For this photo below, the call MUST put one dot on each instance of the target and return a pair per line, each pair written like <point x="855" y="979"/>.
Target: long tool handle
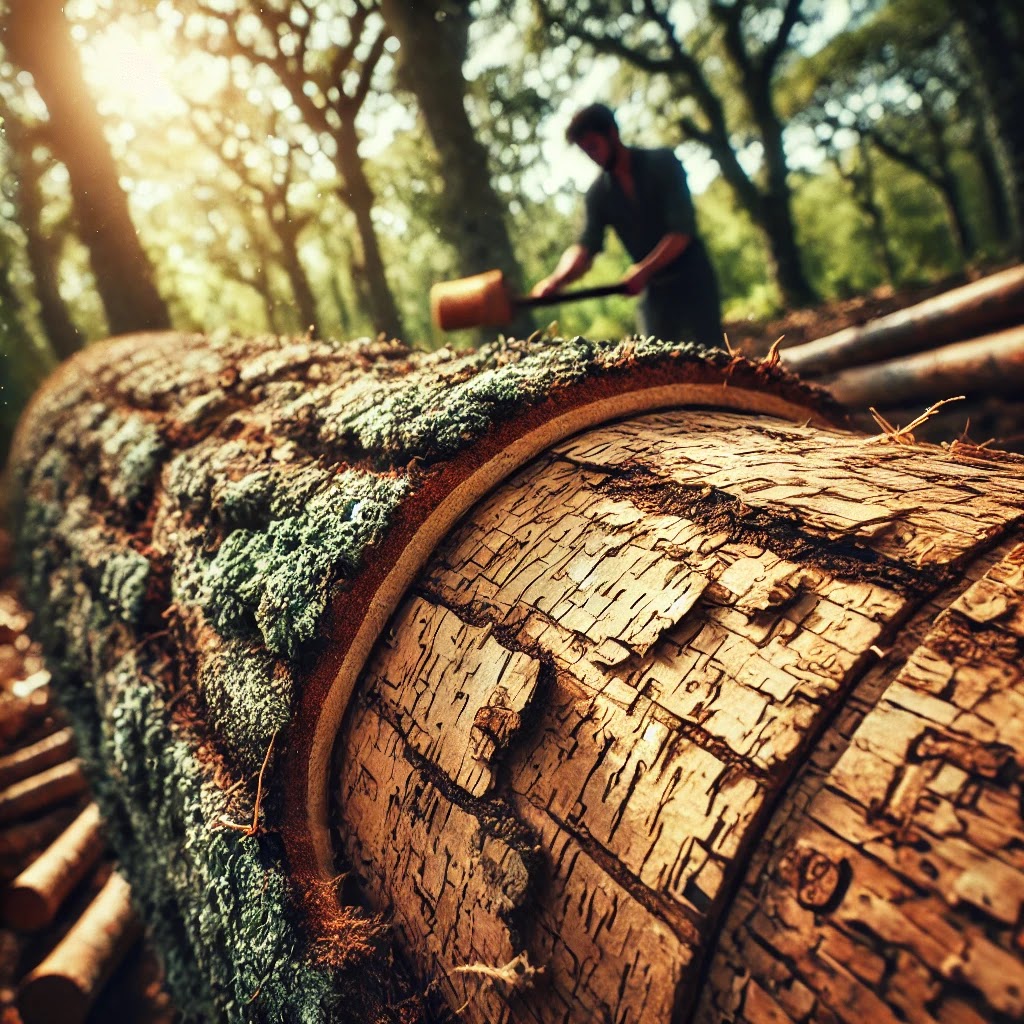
<point x="597" y="292"/>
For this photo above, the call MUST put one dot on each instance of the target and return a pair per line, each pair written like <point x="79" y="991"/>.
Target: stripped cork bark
<point x="587" y="720"/>
<point x="573" y="735"/>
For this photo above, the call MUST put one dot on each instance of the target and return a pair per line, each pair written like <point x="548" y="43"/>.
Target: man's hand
<point x="635" y="279"/>
<point x="548" y="286"/>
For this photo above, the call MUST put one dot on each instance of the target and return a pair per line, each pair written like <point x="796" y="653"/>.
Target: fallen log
<point x="68" y="981"/>
<point x="559" y="650"/>
<point x="988" y="366"/>
<point x="993" y="302"/>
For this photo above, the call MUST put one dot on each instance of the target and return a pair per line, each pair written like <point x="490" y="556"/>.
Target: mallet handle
<point x="597" y="292"/>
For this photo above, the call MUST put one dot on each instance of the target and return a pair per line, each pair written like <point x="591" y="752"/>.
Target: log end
<point x="45" y="998"/>
<point x="26" y="909"/>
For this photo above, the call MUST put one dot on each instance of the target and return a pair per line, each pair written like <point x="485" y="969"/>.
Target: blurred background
<point x="291" y="165"/>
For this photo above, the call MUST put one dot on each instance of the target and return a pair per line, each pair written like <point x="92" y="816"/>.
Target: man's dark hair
<point x="596" y="118"/>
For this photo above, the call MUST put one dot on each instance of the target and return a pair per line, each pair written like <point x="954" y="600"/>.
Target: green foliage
<point x="739" y="254"/>
<point x="835" y="238"/>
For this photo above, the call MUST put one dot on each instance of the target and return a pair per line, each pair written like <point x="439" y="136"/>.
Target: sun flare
<point x="130" y="73"/>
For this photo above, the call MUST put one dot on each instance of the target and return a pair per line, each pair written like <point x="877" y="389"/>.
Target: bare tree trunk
<point x="39" y="40"/>
<point x="434" y="40"/>
<point x="42" y="252"/>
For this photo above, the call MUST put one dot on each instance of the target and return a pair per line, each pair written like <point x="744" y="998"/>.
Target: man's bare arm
<point x="574" y="263"/>
<point x="639" y="275"/>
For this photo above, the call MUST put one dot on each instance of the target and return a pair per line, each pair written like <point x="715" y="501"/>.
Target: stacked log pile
<point x="965" y="342"/>
<point x="617" y="679"/>
<point x="67" y="926"/>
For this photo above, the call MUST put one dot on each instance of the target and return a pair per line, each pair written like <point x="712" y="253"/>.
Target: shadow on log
<point x="626" y="683"/>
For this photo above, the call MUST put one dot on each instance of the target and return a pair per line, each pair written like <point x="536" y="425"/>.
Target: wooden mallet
<point x="485" y="300"/>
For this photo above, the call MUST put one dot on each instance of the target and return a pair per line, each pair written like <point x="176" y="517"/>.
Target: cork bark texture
<point x="212" y="531"/>
<point x="707" y="716"/>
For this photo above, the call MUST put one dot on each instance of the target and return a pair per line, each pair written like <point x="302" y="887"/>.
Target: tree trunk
<point x="542" y="645"/>
<point x="866" y="196"/>
<point x="986" y="151"/>
<point x="778" y="204"/>
<point x="305" y="300"/>
<point x="945" y="181"/>
<point x="39" y="40"/>
<point x="995" y="33"/>
<point x="358" y="196"/>
<point x="43" y="254"/>
<point x="434" y="40"/>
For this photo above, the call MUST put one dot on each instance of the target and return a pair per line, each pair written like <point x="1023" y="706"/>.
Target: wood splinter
<point x="67" y="982"/>
<point x="34" y="897"/>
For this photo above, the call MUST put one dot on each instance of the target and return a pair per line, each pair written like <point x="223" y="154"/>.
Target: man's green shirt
<point x="662" y="205"/>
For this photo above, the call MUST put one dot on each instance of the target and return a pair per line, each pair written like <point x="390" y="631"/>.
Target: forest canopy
<point x="292" y="165"/>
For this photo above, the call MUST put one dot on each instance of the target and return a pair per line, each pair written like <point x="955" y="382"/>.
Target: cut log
<point x="45" y="753"/>
<point x="43" y="790"/>
<point x="67" y="982"/>
<point x="967" y="312"/>
<point x="534" y="644"/>
<point x="32" y="900"/>
<point x="993" y="365"/>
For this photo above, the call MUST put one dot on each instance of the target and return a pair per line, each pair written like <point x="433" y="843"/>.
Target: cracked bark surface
<point x="706" y="716"/>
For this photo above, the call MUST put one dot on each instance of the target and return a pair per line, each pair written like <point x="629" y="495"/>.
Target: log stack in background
<point x="968" y="342"/>
<point x="623" y="683"/>
<point x="67" y="926"/>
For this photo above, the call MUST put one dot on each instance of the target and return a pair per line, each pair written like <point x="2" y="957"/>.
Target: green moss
<point x="275" y="581"/>
<point x="135" y="450"/>
<point x="123" y="581"/>
<point x="206" y="892"/>
<point x="249" y="695"/>
<point x="439" y="413"/>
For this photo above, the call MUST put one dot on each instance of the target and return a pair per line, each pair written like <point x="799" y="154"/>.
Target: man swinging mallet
<point x="643" y="195"/>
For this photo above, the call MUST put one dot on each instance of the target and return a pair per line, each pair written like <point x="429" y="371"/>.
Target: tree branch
<point x="791" y="16"/>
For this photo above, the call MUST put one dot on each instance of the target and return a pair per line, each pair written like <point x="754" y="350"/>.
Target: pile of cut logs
<point x="967" y="342"/>
<point x="66" y="920"/>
